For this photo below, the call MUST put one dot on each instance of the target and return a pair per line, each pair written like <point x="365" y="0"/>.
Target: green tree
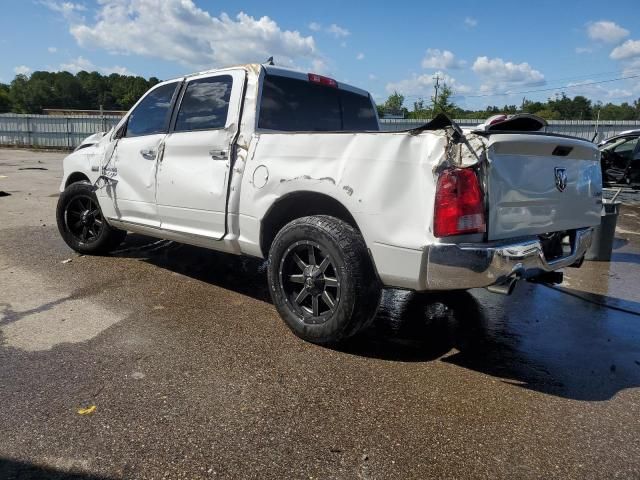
<point x="393" y="105"/>
<point x="623" y="111"/>
<point x="547" y="114"/>
<point x="5" y="99"/>
<point x="443" y="103"/>
<point x="85" y="90"/>
<point x="420" y="110"/>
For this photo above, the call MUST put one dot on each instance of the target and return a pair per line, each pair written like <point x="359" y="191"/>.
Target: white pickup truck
<point x="265" y="161"/>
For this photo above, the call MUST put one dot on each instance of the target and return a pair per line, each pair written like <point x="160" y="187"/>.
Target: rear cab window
<point x="299" y="105"/>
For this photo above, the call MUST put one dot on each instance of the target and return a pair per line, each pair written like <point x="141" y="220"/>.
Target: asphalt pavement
<point x="169" y="361"/>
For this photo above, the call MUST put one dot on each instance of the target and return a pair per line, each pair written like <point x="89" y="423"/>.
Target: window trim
<point x="167" y="120"/>
<point x="178" y="104"/>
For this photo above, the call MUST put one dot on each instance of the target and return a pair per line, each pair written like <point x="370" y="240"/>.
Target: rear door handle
<point x="148" y="153"/>
<point x="218" y="154"/>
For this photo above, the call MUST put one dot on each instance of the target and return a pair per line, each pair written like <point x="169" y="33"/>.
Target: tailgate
<point x="540" y="183"/>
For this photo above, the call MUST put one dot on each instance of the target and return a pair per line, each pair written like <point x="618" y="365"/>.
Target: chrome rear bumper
<point x="461" y="266"/>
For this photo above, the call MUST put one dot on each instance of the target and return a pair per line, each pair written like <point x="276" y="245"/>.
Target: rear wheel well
<point x="298" y="205"/>
<point x="76" y="177"/>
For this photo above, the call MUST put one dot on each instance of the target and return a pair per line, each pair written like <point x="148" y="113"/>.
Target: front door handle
<point x="148" y="153"/>
<point x="218" y="154"/>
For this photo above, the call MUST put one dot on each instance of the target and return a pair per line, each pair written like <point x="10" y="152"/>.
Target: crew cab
<point x="269" y="162"/>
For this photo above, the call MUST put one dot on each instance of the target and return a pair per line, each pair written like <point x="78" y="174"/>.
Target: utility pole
<point x="524" y="100"/>
<point x="436" y="86"/>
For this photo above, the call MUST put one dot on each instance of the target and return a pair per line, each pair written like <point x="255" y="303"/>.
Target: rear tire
<point x="81" y="223"/>
<point x="321" y="279"/>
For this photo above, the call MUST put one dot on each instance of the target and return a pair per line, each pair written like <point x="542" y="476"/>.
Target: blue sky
<point x="482" y="49"/>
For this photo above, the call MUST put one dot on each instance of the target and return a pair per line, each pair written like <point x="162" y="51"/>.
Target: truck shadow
<point x="19" y="470"/>
<point x="625" y="257"/>
<point x="538" y="339"/>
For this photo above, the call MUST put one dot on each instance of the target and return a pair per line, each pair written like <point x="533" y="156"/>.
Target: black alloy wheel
<point x="83" y="219"/>
<point x="81" y="222"/>
<point x="310" y="281"/>
<point x="322" y="280"/>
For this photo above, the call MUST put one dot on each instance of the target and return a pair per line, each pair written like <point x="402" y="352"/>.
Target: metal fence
<point x="47" y="131"/>
<point x="51" y="131"/>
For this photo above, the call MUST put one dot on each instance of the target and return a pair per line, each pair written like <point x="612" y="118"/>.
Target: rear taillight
<point x="459" y="204"/>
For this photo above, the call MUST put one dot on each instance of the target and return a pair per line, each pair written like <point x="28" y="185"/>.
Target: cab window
<point x="205" y="104"/>
<point x="151" y="115"/>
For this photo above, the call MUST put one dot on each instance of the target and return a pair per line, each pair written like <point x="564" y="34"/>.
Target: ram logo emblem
<point x="561" y="178"/>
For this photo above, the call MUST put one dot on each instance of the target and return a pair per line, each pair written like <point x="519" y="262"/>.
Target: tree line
<point x="560" y="107"/>
<point x="92" y="90"/>
<point x="82" y="91"/>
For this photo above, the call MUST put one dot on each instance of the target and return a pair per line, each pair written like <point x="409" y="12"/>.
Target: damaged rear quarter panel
<point x="384" y="179"/>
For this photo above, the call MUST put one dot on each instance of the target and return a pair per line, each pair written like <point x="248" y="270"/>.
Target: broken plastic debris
<point x="87" y="411"/>
<point x="68" y="260"/>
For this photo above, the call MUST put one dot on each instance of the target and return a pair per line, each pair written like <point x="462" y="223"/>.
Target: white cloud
<point x="442" y="60"/>
<point x="631" y="67"/>
<point x="606" y="31"/>
<point x="360" y="56"/>
<point x="581" y="50"/>
<point x="619" y="93"/>
<point x="52" y="49"/>
<point x="22" y="70"/>
<point x="422" y="85"/>
<point x="78" y="64"/>
<point x="319" y="65"/>
<point x="498" y="74"/>
<point x="372" y="77"/>
<point x="629" y="49"/>
<point x="596" y="91"/>
<point x="338" y="31"/>
<point x="470" y="22"/>
<point x="69" y="10"/>
<point x="177" y="30"/>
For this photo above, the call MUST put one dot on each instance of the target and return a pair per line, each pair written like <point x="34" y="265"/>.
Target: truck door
<point x="132" y="197"/>
<point x="193" y="173"/>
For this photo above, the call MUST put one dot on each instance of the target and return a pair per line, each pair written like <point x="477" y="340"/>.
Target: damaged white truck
<point x="264" y="161"/>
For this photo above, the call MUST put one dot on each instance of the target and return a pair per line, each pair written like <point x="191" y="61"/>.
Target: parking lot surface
<point x="193" y="375"/>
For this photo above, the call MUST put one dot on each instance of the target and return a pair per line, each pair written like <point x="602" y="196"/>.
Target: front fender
<point x="87" y="158"/>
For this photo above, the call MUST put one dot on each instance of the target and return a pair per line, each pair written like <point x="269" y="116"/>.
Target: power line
<point x="547" y="89"/>
<point x="586" y="84"/>
<point x="588" y="76"/>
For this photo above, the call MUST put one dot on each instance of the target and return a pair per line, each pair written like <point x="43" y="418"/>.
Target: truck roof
<point x="272" y="70"/>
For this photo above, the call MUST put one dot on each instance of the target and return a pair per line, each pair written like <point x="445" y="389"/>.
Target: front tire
<point x="322" y="280"/>
<point x="81" y="223"/>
